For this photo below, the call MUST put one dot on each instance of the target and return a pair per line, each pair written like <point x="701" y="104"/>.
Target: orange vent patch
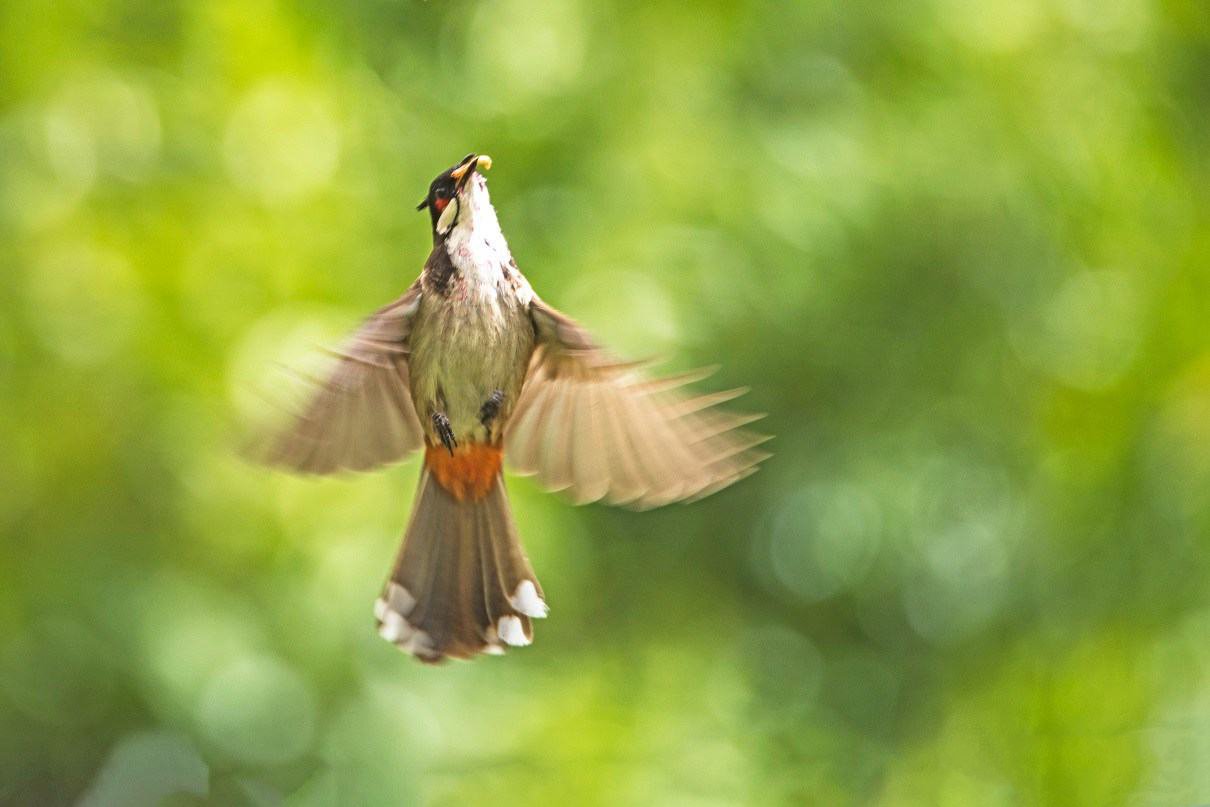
<point x="469" y="472"/>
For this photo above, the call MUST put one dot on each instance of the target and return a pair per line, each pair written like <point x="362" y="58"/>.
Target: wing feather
<point x="598" y="428"/>
<point x="554" y="459"/>
<point x="590" y="467"/>
<point x="360" y="416"/>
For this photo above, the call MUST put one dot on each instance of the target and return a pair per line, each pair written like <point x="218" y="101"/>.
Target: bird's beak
<point x="468" y="166"/>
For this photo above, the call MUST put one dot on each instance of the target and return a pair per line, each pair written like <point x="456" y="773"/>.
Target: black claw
<point x="446" y="432"/>
<point x="491" y="407"/>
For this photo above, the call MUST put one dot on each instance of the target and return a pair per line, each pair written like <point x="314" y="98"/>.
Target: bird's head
<point x="457" y="193"/>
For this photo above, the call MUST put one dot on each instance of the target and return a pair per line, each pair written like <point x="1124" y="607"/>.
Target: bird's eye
<point x="442" y="193"/>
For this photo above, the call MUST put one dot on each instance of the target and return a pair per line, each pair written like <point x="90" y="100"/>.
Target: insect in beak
<point x="469" y="165"/>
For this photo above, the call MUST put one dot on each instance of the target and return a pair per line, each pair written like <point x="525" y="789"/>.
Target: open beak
<point x="468" y="166"/>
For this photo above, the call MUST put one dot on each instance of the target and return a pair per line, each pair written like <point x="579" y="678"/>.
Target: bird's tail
<point x="462" y="584"/>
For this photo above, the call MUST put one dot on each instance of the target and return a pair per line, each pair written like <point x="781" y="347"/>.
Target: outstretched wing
<point x="598" y="429"/>
<point x="361" y="415"/>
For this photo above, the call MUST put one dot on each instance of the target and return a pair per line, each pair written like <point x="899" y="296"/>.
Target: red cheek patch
<point x="440" y="204"/>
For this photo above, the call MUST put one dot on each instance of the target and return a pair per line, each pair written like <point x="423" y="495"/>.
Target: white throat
<point x="475" y="243"/>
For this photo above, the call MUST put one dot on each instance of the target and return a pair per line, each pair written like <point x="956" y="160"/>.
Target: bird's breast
<point x="468" y="343"/>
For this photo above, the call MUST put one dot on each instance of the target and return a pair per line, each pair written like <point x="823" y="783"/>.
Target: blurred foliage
<point x="958" y="250"/>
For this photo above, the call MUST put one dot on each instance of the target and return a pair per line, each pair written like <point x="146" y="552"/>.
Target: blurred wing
<point x="599" y="429"/>
<point x="361" y="416"/>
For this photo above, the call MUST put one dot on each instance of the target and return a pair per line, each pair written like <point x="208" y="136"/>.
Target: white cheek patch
<point x="448" y="217"/>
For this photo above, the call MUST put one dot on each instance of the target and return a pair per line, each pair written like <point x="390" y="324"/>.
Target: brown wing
<point x="361" y="416"/>
<point x="599" y="429"/>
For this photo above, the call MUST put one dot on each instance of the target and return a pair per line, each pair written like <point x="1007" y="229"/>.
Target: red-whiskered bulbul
<point x="469" y="364"/>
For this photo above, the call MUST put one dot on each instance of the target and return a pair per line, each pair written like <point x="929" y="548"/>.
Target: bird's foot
<point x="446" y="432"/>
<point x="491" y="408"/>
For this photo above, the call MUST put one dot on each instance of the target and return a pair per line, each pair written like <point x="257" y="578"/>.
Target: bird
<point x="471" y="366"/>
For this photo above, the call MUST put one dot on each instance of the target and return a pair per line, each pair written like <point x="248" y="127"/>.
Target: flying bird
<point x="470" y="365"/>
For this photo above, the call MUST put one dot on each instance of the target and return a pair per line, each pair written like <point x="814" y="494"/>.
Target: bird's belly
<point x="463" y="352"/>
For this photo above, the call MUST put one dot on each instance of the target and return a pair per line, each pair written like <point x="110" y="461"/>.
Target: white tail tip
<point x="526" y="600"/>
<point x="511" y="631"/>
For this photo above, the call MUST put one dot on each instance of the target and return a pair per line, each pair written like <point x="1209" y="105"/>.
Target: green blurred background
<point x="957" y="249"/>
